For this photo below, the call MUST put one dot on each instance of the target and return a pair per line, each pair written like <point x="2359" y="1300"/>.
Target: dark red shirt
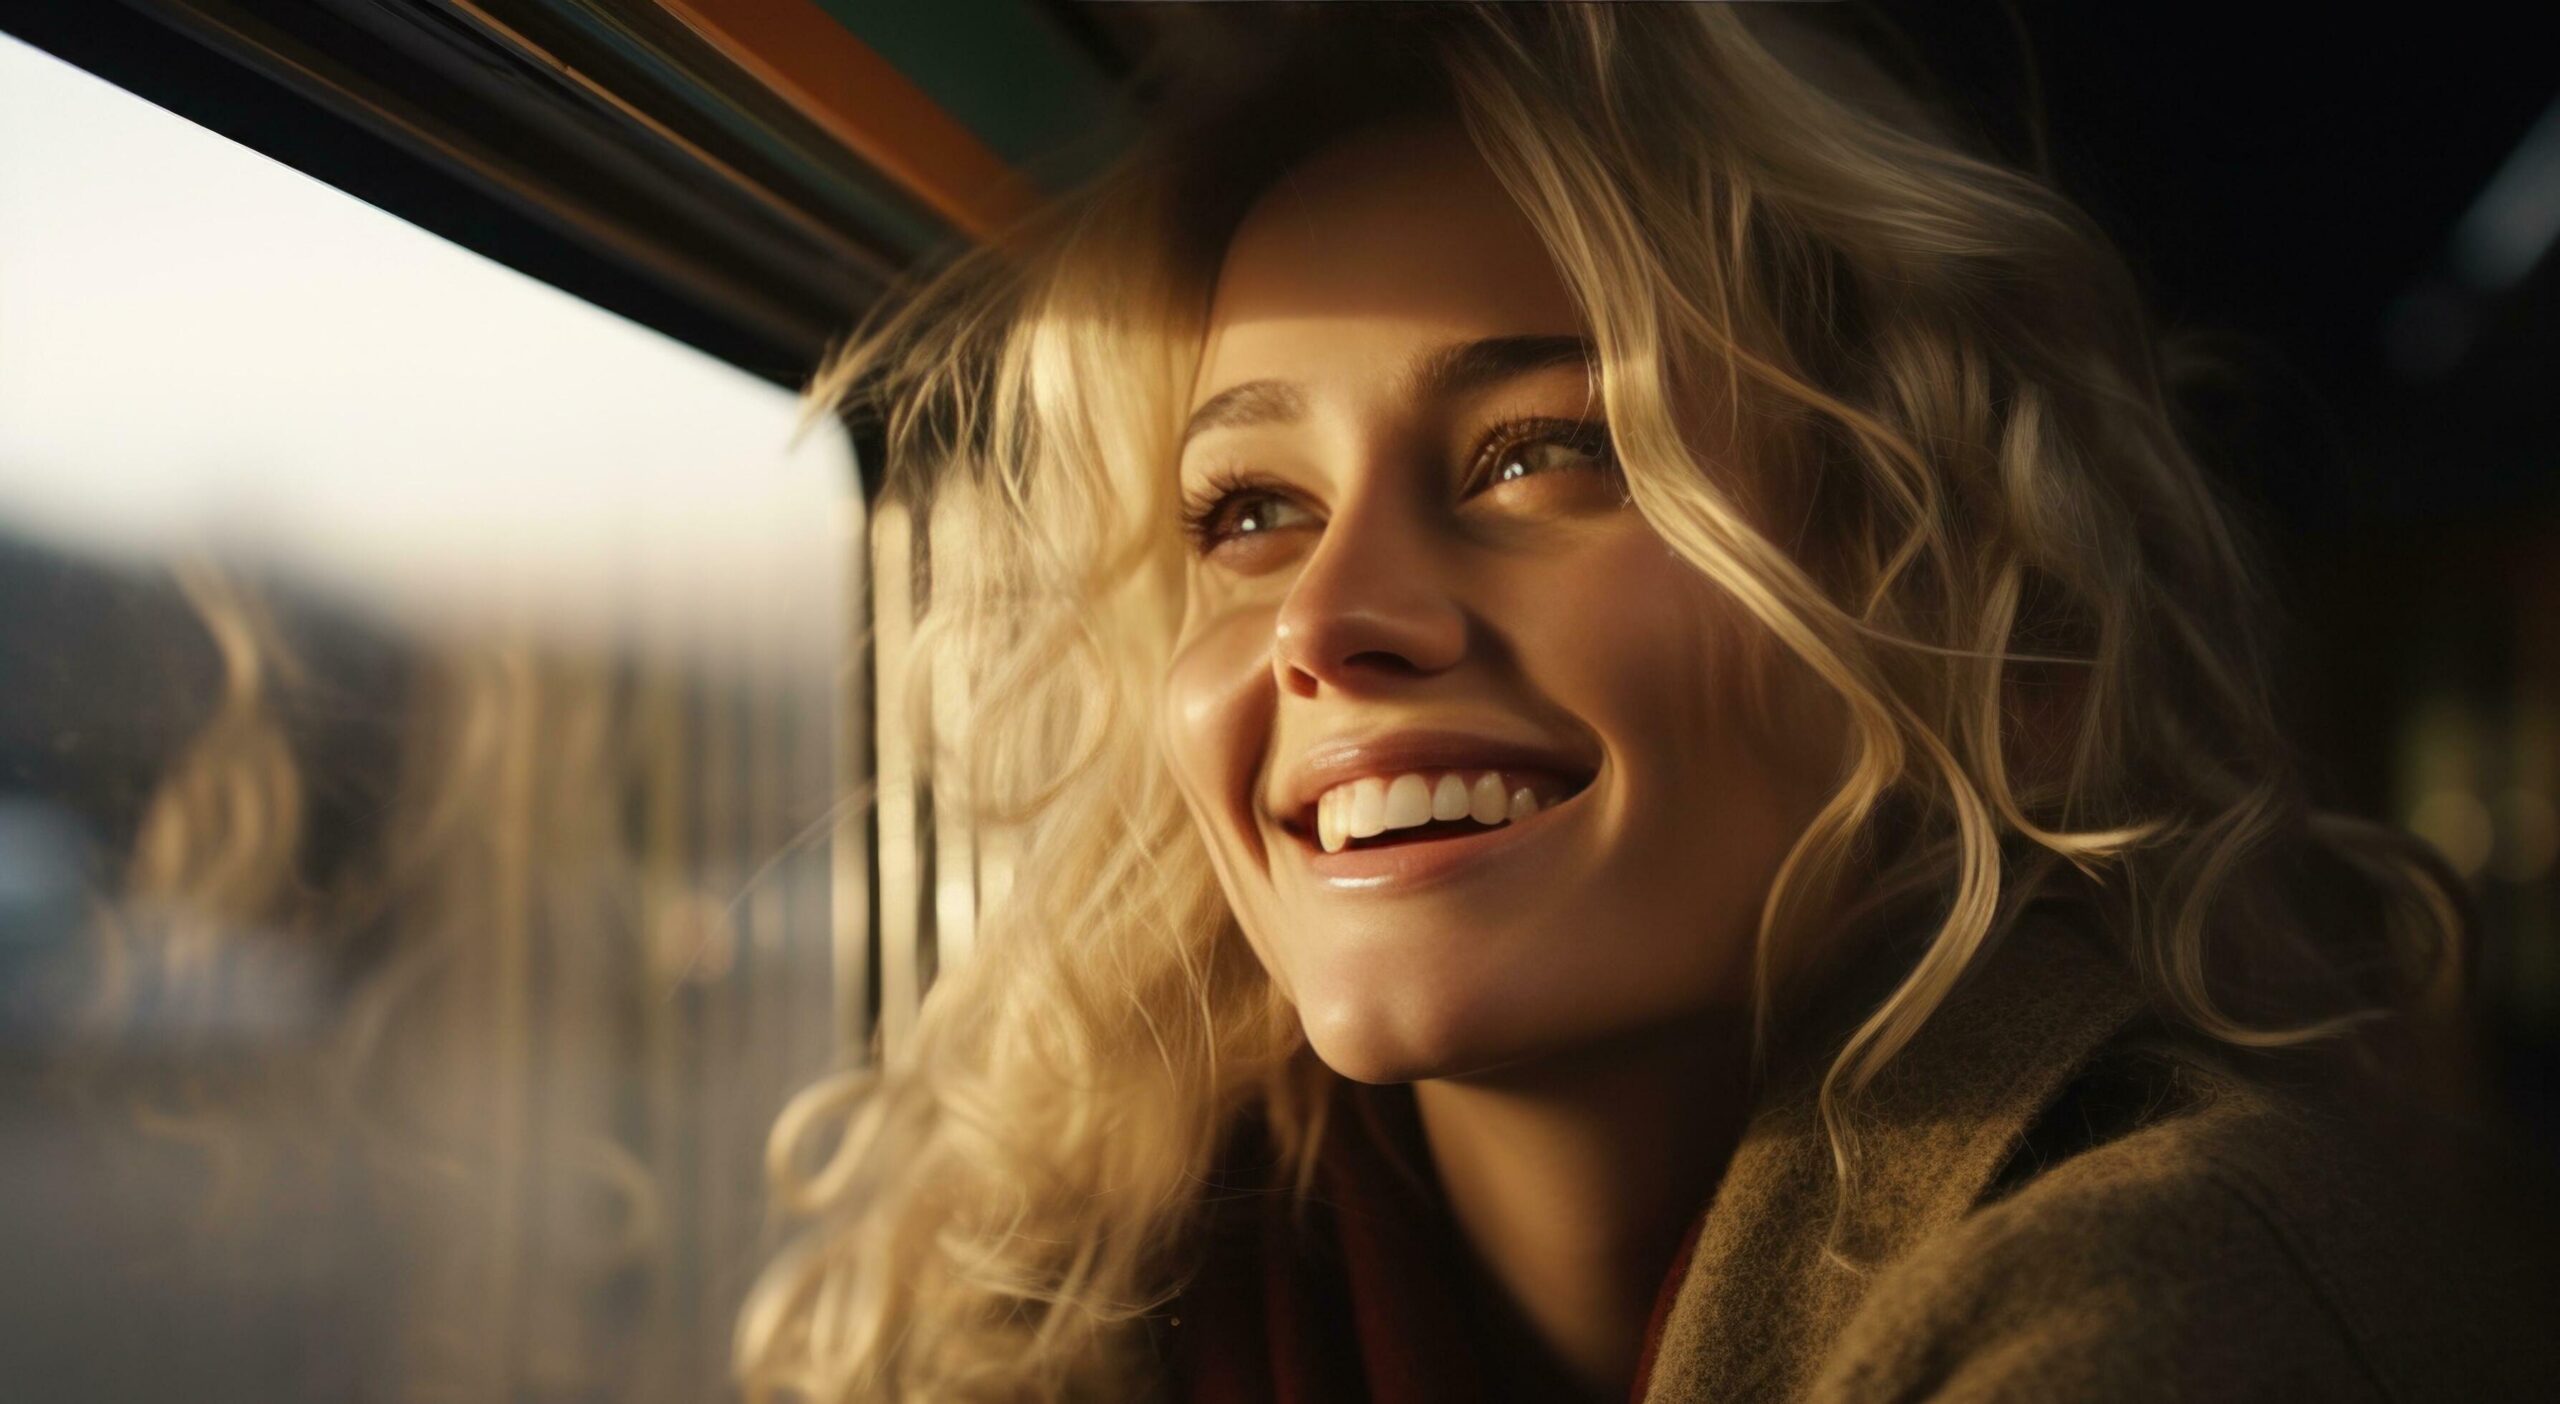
<point x="1359" y="1295"/>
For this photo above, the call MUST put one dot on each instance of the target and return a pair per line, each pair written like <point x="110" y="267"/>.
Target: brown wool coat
<point x="2061" y="1202"/>
<point x="2065" y="1203"/>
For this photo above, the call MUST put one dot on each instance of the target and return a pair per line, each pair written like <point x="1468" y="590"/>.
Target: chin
<point x="1370" y="1038"/>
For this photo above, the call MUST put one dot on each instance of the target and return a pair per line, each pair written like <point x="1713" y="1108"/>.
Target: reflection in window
<point x="419" y="754"/>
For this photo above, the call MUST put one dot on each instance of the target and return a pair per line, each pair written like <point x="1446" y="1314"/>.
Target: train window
<point x="469" y="723"/>
<point x="417" y="757"/>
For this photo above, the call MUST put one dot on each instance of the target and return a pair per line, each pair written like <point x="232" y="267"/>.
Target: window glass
<point x="417" y="759"/>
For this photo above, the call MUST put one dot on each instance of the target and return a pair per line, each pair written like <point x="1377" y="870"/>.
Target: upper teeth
<point x="1373" y="804"/>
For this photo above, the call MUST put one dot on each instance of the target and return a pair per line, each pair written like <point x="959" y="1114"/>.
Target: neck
<point x="1574" y="1180"/>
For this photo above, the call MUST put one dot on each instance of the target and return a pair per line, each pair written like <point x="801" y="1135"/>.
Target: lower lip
<point x="1404" y="866"/>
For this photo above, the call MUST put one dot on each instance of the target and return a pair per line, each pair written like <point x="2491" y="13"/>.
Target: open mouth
<point x="1426" y="807"/>
<point x="1436" y="829"/>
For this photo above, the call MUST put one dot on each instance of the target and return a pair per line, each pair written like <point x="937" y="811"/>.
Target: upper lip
<point x="1389" y="753"/>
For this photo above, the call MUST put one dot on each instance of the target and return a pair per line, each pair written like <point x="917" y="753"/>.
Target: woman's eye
<point x="1257" y="515"/>
<point x="1536" y="458"/>
<point x="1241" y="516"/>
<point x="1579" y="447"/>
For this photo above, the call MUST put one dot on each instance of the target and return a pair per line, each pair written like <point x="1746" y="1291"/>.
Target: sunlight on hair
<point x="2010" y="570"/>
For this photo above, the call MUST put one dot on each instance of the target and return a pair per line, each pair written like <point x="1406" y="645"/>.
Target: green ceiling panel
<point x="1006" y="70"/>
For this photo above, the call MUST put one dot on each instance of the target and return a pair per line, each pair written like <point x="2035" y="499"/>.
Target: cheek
<point x="1670" y="671"/>
<point x="1682" y="671"/>
<point x="1217" y="705"/>
<point x="1638" y="643"/>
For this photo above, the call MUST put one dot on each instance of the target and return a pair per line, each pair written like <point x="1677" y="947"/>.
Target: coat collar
<point x="1354" y="1304"/>
<point x="1759" y="1298"/>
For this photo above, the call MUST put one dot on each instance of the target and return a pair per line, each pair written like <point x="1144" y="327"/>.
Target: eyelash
<point x="1206" y="505"/>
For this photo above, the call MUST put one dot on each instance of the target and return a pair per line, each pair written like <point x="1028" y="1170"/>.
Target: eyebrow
<point x="1441" y="373"/>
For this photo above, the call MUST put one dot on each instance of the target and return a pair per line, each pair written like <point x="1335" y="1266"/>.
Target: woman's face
<point x="1474" y="753"/>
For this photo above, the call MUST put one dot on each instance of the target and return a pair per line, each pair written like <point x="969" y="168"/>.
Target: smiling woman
<point x="1644" y="772"/>
<point x="1459" y="605"/>
<point x="1424" y="582"/>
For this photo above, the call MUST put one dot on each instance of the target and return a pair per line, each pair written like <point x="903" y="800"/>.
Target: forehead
<point x="1388" y="240"/>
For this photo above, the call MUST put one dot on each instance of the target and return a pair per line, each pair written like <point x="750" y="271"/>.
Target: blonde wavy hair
<point x="2001" y="557"/>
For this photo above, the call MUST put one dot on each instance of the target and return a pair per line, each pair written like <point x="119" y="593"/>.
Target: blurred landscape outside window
<point x="421" y="737"/>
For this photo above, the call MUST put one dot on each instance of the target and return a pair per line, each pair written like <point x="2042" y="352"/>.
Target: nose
<point x="1369" y="607"/>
